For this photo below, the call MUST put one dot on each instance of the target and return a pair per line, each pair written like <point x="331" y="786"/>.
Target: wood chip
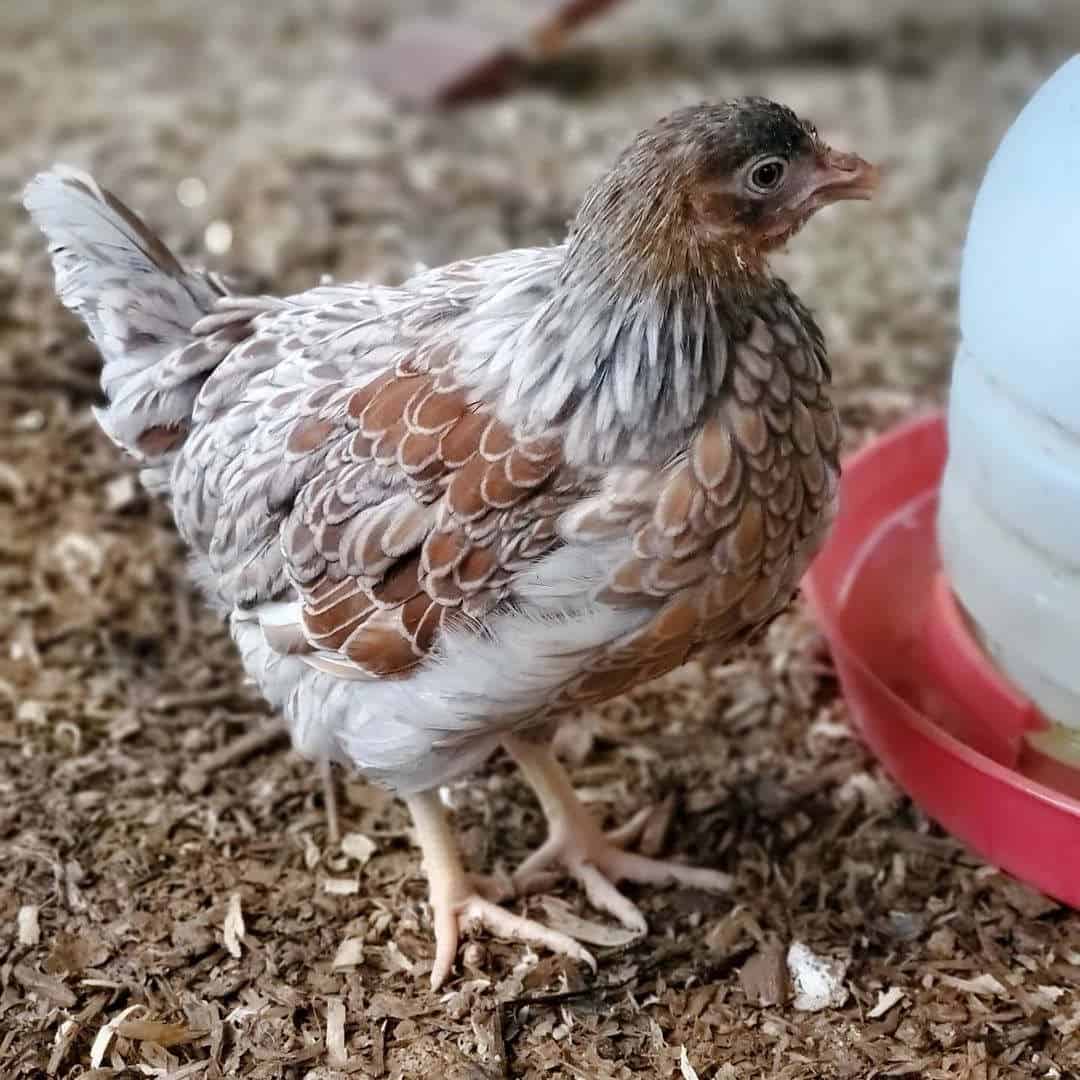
<point x="120" y="492"/>
<point x="26" y="921"/>
<point x="66" y="1034"/>
<point x="984" y="985"/>
<point x="560" y="916"/>
<point x="105" y="1034"/>
<point x="654" y="834"/>
<point x="234" y="926"/>
<point x="397" y="960"/>
<point x="341" y="886"/>
<point x="155" y="1032"/>
<point x="378" y="1049"/>
<point x="44" y="985"/>
<point x="764" y="977"/>
<point x="385" y="1004"/>
<point x="1051" y="994"/>
<point x="886" y="1000"/>
<point x="573" y="742"/>
<point x="195" y="778"/>
<point x="358" y="847"/>
<point x="350" y="954"/>
<point x="335" y="1032"/>
<point x="688" y="1071"/>
<point x="74" y="953"/>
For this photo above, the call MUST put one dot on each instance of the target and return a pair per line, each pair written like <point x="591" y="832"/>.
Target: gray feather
<point x="137" y="301"/>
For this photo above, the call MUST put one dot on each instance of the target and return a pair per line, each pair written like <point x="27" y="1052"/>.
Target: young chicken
<point x="439" y="516"/>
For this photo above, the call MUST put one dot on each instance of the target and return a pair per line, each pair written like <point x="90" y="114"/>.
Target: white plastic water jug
<point x="1009" y="517"/>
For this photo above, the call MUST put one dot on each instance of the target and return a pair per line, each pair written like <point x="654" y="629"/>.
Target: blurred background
<point x="249" y="134"/>
<point x="283" y="141"/>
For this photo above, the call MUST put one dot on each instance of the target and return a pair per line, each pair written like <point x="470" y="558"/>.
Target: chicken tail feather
<point x="138" y="302"/>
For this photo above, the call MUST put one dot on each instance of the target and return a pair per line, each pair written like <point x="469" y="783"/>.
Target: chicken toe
<point x="596" y="860"/>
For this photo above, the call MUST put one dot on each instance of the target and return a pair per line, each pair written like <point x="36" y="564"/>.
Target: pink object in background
<point x="446" y="60"/>
<point x="946" y="726"/>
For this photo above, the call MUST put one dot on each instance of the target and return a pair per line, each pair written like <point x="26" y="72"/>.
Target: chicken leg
<point x="594" y="859"/>
<point x="456" y="902"/>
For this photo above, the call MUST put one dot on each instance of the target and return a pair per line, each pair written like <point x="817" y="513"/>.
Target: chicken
<point x="440" y="516"/>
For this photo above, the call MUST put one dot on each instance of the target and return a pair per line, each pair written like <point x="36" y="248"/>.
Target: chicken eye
<point x="766" y="176"/>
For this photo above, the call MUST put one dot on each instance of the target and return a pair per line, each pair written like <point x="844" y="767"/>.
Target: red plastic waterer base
<point x="948" y="728"/>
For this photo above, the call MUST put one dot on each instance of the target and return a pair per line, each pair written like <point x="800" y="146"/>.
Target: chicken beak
<point x="844" y="176"/>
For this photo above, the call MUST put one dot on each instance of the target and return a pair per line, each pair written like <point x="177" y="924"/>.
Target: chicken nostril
<point x="843" y="162"/>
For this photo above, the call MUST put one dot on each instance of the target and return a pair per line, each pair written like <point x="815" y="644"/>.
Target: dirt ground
<point x="169" y="911"/>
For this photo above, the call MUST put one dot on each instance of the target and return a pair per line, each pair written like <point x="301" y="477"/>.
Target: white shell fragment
<point x="819" y="983"/>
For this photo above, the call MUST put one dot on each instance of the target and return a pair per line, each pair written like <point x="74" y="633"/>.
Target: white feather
<point x="444" y="720"/>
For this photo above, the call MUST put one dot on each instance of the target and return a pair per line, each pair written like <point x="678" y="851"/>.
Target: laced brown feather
<point x="379" y="587"/>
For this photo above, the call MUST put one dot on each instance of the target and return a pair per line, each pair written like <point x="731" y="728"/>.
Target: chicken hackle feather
<point x="440" y="515"/>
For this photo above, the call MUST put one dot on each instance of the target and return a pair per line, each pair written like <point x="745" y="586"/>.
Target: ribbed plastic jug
<point x="1009" y="518"/>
